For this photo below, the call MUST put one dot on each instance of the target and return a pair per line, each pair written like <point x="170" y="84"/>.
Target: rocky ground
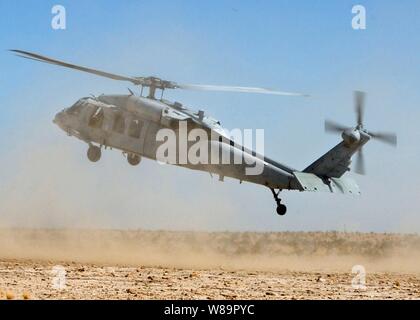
<point x="35" y="280"/>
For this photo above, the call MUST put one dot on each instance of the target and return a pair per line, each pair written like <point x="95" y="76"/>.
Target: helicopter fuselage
<point x="134" y="125"/>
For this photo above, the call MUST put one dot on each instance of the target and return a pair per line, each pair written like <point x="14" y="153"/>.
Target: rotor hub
<point x="351" y="136"/>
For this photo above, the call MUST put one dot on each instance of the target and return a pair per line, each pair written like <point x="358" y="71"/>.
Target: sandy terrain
<point x="187" y="265"/>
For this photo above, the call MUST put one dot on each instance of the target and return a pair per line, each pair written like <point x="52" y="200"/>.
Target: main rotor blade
<point x="387" y="137"/>
<point x="204" y="87"/>
<point x="360" y="163"/>
<point x="359" y="100"/>
<point x="150" y="81"/>
<point x="331" y="126"/>
<point x="37" y="57"/>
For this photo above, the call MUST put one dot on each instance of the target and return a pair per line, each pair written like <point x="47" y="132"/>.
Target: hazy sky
<point x="306" y="46"/>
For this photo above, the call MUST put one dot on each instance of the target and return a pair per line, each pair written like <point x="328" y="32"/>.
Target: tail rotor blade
<point x="359" y="99"/>
<point x="387" y="137"/>
<point x="331" y="126"/>
<point x="360" y="163"/>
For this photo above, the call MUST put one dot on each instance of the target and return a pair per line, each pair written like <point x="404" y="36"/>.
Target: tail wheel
<point x="133" y="159"/>
<point x="94" y="153"/>
<point x="281" y="209"/>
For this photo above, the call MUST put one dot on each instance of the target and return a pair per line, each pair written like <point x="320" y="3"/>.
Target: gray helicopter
<point x="132" y="124"/>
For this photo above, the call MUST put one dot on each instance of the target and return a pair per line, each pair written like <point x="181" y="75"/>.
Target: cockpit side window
<point x="97" y="118"/>
<point x="119" y="122"/>
<point x="135" y="128"/>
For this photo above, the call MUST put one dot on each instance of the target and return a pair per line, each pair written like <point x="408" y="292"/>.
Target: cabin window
<point x="135" y="129"/>
<point x="119" y="123"/>
<point x="97" y="118"/>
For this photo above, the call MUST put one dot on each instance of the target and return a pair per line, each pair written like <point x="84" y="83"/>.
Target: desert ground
<point x="113" y="264"/>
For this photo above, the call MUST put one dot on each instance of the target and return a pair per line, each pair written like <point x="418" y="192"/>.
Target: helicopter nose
<point x="58" y="119"/>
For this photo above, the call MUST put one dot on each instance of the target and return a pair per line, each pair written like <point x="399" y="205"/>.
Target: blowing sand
<point x="116" y="264"/>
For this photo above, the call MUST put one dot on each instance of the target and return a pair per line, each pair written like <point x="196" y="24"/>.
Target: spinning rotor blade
<point x="205" y="87"/>
<point x="150" y="81"/>
<point x="360" y="163"/>
<point x="359" y="99"/>
<point x="331" y="126"/>
<point x="37" y="57"/>
<point x="387" y="137"/>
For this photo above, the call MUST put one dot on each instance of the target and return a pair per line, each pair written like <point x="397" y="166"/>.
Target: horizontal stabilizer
<point x="312" y="182"/>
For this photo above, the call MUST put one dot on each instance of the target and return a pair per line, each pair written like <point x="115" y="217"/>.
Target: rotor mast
<point x="152" y="91"/>
<point x="154" y="83"/>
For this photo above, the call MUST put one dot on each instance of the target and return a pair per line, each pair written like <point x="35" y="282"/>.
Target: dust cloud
<point x="296" y="251"/>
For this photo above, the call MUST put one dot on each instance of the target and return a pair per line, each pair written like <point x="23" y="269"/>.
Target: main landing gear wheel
<point x="94" y="153"/>
<point x="281" y="208"/>
<point x="133" y="159"/>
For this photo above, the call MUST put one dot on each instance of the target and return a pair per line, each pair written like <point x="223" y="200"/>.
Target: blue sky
<point x="306" y="46"/>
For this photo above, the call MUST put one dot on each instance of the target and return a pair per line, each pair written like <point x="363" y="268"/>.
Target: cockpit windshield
<point x="75" y="109"/>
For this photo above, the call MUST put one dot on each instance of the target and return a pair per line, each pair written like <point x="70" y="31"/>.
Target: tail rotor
<point x="352" y="135"/>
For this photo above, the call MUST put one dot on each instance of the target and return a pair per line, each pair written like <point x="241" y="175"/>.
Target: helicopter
<point x="133" y="123"/>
